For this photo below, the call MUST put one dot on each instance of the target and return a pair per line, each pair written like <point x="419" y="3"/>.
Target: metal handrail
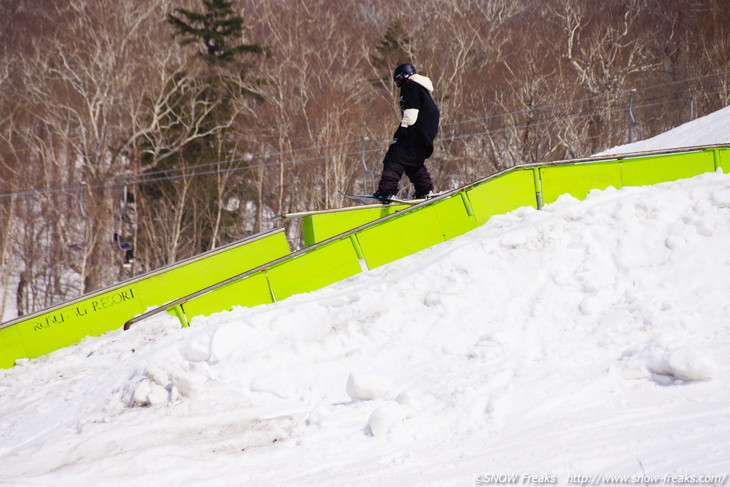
<point x="179" y="301"/>
<point x="449" y="194"/>
<point x="142" y="277"/>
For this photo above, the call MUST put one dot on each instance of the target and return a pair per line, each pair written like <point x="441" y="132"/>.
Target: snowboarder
<point x="413" y="141"/>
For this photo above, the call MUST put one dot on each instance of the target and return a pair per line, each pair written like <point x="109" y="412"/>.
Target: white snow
<point x="709" y="130"/>
<point x="590" y="338"/>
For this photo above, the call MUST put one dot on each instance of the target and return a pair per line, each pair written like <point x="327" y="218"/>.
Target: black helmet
<point x="403" y="72"/>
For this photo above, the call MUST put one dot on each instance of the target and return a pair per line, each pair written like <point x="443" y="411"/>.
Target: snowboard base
<point x="369" y="199"/>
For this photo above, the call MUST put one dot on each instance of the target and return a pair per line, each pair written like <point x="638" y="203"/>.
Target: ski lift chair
<point x="118" y="241"/>
<point x="86" y="241"/>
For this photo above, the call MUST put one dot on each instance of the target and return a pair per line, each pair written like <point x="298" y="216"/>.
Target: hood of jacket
<point x="423" y="81"/>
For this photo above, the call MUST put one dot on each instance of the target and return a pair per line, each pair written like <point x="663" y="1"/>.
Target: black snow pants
<point x="406" y="154"/>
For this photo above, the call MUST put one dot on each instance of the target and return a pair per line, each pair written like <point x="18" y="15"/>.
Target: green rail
<point x="96" y="313"/>
<point x="340" y="244"/>
<point x="542" y="183"/>
<point x="344" y="243"/>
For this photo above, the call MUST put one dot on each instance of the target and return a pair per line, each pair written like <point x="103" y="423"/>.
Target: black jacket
<point x="415" y="94"/>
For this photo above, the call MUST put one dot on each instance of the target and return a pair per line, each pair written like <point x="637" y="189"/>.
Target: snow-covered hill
<point x="587" y="339"/>
<point x="709" y="130"/>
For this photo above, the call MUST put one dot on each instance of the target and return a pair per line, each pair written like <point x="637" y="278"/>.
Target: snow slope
<point x="586" y="339"/>
<point x="709" y="130"/>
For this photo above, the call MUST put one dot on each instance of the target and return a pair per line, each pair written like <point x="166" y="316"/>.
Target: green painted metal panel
<point x="11" y="347"/>
<point x="250" y="291"/>
<point x="108" y="309"/>
<point x="185" y="280"/>
<point x="658" y="169"/>
<point x="503" y="194"/>
<point x="723" y="159"/>
<point x="321" y="226"/>
<point x="578" y="179"/>
<point x="314" y="269"/>
<point x="400" y="236"/>
<point x="309" y="235"/>
<point x="69" y="324"/>
<point x="378" y="244"/>
<point x="453" y="217"/>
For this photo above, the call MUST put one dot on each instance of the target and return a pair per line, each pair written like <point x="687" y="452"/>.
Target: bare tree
<point x="102" y="94"/>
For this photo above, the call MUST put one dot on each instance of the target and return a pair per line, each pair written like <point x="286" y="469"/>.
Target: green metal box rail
<point x="332" y="260"/>
<point x="373" y="238"/>
<point x="369" y="239"/>
<point x="42" y="332"/>
<point x="527" y="185"/>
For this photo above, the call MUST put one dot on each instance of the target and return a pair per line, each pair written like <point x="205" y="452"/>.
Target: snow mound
<point x="668" y="359"/>
<point x="709" y="130"/>
<point x="388" y="419"/>
<point x="362" y="387"/>
<point x="589" y="338"/>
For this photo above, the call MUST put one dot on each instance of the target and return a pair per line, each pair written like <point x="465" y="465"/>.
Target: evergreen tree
<point x="394" y="49"/>
<point x="203" y="102"/>
<point x="215" y="28"/>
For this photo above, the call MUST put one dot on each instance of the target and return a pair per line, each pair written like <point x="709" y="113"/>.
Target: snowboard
<point x="367" y="199"/>
<point x="370" y="199"/>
